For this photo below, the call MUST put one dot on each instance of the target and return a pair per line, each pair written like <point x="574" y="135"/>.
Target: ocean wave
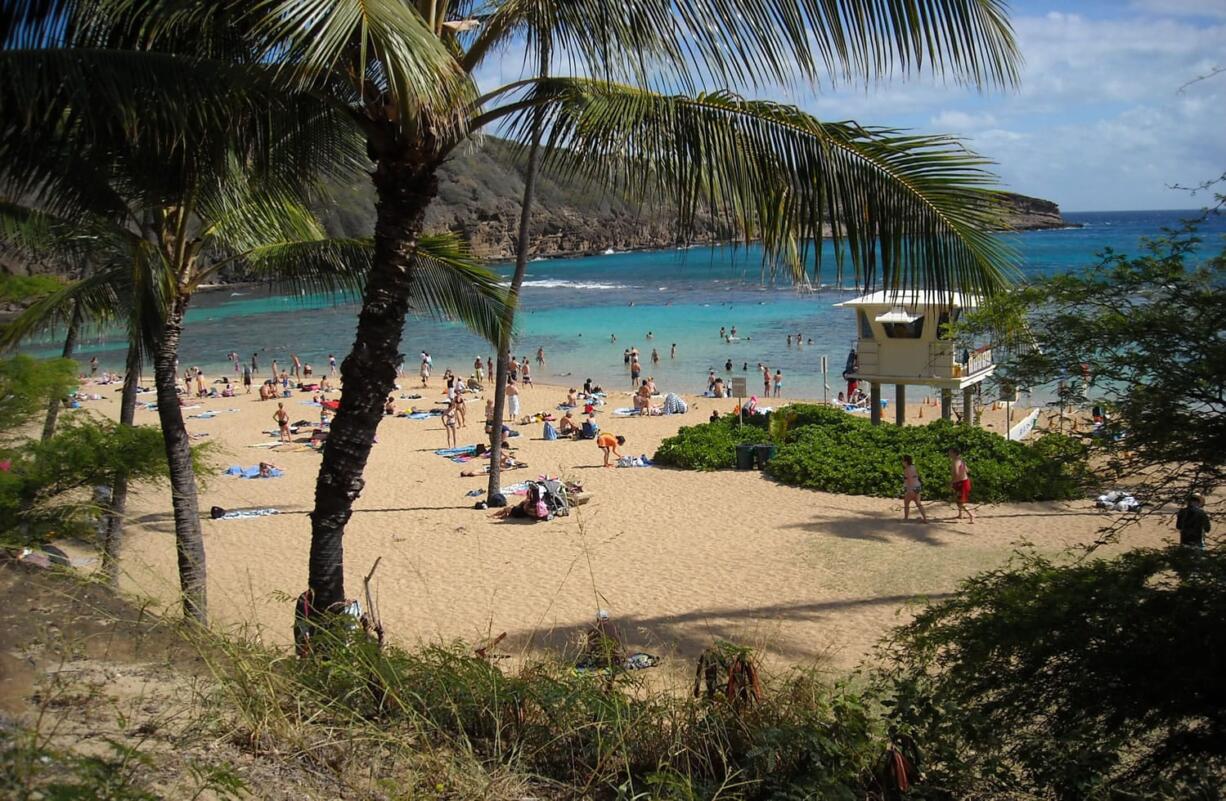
<point x="548" y="283"/>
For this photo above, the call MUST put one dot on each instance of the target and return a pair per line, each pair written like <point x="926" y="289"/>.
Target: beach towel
<point x="466" y="450"/>
<point x="252" y="472"/>
<point x="244" y="514"/>
<point x="634" y="461"/>
<point x="674" y="405"/>
<point x="419" y="416"/>
<point x="626" y="411"/>
<point x="550" y="432"/>
<point x="516" y="489"/>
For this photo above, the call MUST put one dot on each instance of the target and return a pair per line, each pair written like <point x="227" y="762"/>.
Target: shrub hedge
<point x="827" y="449"/>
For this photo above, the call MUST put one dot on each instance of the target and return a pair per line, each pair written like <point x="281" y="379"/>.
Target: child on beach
<point x="282" y="419"/>
<point x="911" y="488"/>
<point x="608" y="443"/>
<point x="778" y="382"/>
<point x="961" y="483"/>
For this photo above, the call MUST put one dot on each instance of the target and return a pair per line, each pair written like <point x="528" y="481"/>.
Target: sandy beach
<point x="679" y="558"/>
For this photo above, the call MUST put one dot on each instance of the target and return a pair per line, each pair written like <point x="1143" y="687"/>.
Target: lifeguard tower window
<point x="866" y="328"/>
<point x="911" y="330"/>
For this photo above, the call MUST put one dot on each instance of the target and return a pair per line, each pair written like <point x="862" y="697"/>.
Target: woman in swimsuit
<point x="911" y="488"/>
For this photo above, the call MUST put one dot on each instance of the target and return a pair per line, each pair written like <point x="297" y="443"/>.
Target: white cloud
<point x="961" y="121"/>
<point x="1189" y="8"/>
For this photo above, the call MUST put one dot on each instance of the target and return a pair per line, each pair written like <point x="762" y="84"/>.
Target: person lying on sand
<point x="608" y="443"/>
<point x="266" y="469"/>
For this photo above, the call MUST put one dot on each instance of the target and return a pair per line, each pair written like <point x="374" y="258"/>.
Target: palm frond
<point x="759" y="42"/>
<point x="449" y="283"/>
<point x="385" y="49"/>
<point x="336" y="266"/>
<point x="908" y="210"/>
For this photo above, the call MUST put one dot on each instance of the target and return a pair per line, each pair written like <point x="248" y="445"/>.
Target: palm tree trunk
<point x="189" y="539"/>
<point x="112" y="531"/>
<point x="70" y="345"/>
<point x="404" y="186"/>
<point x="517" y="282"/>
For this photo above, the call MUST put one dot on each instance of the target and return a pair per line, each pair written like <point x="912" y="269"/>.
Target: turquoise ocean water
<point x="571" y="307"/>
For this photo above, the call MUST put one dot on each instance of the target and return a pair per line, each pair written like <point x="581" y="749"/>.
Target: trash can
<point x="745" y="457"/>
<point x="765" y="454"/>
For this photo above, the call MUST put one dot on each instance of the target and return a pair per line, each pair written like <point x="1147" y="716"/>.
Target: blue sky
<point x="1099" y="120"/>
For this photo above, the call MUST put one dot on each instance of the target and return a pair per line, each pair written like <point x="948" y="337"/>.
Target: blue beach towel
<point x="252" y="472"/>
<point x="467" y="450"/>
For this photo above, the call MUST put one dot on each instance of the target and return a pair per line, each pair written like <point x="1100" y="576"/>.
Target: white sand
<point x="680" y="558"/>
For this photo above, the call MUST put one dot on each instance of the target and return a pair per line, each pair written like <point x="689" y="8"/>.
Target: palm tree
<point x="908" y="208"/>
<point x="365" y="56"/>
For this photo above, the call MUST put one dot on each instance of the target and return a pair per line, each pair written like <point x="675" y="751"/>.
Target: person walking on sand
<point x="608" y="443"/>
<point x="911" y="488"/>
<point x="489" y="367"/>
<point x="247" y="379"/>
<point x="282" y="419"/>
<point x="526" y="369"/>
<point x="1192" y="521"/>
<point x="425" y="373"/>
<point x="961" y="483"/>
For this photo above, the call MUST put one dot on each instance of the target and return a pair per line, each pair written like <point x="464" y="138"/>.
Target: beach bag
<point x="217" y="513"/>
<point x="550" y="432"/>
<point x="589" y="430"/>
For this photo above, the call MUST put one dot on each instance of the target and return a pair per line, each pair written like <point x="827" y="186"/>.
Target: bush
<point x="711" y="446"/>
<point x="1101" y="679"/>
<point x="827" y="449"/>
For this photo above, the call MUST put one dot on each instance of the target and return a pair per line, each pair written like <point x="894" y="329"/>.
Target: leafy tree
<point x="1141" y="339"/>
<point x="1099" y="679"/>
<point x="45" y="484"/>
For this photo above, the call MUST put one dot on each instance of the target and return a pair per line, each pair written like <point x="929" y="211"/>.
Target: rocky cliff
<point x="479" y="197"/>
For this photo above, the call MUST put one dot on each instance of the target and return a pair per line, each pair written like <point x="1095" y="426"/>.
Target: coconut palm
<point x="907" y="209"/>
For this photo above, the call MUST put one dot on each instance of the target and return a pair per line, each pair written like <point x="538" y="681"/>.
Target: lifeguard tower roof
<point x="914" y="298"/>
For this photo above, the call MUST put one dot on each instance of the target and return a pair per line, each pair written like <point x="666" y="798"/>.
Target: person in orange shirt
<point x="608" y="443"/>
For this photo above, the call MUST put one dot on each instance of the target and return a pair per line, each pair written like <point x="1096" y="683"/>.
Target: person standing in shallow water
<point x="540" y="358"/>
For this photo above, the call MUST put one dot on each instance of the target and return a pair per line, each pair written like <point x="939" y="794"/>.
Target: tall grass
<point x="443" y="722"/>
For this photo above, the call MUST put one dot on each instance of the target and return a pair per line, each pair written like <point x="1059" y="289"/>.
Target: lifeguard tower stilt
<point x="900" y="340"/>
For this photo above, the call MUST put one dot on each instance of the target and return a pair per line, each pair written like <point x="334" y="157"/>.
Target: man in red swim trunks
<point x="961" y="483"/>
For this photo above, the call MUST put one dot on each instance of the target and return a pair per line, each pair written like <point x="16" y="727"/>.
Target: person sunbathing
<point x="572" y="398"/>
<point x="266" y="469"/>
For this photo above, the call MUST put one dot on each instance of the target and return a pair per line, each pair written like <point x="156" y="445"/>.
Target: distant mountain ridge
<point x="479" y="198"/>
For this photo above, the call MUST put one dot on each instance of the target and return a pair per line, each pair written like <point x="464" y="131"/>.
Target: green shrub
<point x="826" y="449"/>
<point x="1099" y="679"/>
<point x="711" y="446"/>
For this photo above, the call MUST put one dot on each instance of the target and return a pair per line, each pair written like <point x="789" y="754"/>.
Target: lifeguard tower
<point x="901" y="341"/>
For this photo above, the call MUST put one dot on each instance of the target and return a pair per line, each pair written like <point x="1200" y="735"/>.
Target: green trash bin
<point x="745" y="457"/>
<point x="765" y="453"/>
